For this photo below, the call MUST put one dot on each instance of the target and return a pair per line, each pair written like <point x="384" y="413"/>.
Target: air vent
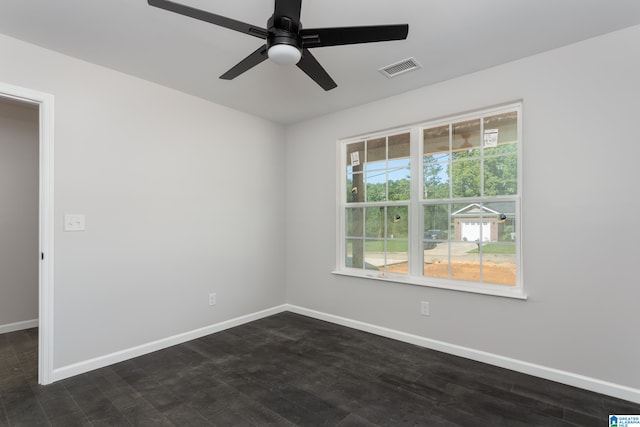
<point x="401" y="67"/>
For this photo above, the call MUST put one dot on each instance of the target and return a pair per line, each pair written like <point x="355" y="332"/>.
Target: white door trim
<point x="46" y="215"/>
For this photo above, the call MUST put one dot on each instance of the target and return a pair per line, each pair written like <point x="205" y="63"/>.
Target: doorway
<point x="43" y="104"/>
<point x="19" y="159"/>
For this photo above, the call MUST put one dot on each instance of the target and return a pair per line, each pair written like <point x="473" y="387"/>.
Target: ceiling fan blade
<point x="320" y="37"/>
<point x="212" y="18"/>
<point x="310" y="65"/>
<point x="288" y="8"/>
<point x="247" y="63"/>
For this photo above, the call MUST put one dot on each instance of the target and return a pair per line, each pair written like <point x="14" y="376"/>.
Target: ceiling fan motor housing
<point x="284" y="31"/>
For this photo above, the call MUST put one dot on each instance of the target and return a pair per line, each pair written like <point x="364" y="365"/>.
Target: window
<point x="377" y="194"/>
<point x="436" y="204"/>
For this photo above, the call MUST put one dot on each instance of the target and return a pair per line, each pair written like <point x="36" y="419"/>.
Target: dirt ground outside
<point x="502" y="273"/>
<point x="465" y="265"/>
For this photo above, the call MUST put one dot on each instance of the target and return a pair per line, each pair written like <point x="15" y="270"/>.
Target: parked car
<point x="432" y="237"/>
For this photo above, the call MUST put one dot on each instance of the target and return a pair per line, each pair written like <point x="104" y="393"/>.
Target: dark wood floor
<point x="291" y="370"/>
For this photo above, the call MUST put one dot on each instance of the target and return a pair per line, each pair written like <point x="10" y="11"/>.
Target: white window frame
<point x="416" y="204"/>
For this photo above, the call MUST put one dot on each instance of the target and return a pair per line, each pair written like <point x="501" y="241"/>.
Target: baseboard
<point x="18" y="326"/>
<point x="564" y="377"/>
<point x="120" y="356"/>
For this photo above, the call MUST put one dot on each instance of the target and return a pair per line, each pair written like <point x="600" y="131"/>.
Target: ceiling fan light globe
<point x="284" y="54"/>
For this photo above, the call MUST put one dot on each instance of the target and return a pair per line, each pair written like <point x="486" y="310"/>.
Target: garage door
<point x="471" y="231"/>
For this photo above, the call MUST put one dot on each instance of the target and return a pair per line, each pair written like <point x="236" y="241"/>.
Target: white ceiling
<point x="448" y="37"/>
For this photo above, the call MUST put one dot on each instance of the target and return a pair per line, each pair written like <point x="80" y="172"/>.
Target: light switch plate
<point x="74" y="222"/>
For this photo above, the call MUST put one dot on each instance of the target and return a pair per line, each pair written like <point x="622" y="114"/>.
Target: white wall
<point x="182" y="197"/>
<point x="580" y="196"/>
<point x="18" y="213"/>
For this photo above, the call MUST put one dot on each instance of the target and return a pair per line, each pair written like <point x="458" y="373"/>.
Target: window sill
<point x="460" y="286"/>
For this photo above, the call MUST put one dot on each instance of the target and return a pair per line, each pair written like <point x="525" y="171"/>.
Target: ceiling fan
<point x="287" y="43"/>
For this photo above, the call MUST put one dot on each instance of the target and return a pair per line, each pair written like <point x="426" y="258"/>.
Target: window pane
<point x="499" y="263"/>
<point x="436" y="162"/>
<point x="377" y="154"/>
<point x="398" y="222"/>
<point x="397" y="256"/>
<point x="436" y="178"/>
<point x="466" y="139"/>
<point x="436" y="260"/>
<point x="374" y="254"/>
<point x="436" y="140"/>
<point x="499" y="255"/>
<point x="354" y="253"/>
<point x="358" y="157"/>
<point x="353" y="222"/>
<point x="500" y="131"/>
<point x="501" y="175"/>
<point x="436" y="222"/>
<point x="399" y="184"/>
<point x="377" y="186"/>
<point x="466" y="178"/>
<point x="502" y="216"/>
<point x="399" y="147"/>
<point x="465" y="261"/>
<point x="464" y="218"/>
<point x="355" y="190"/>
<point x="374" y="222"/>
<point x="434" y="244"/>
<point x="501" y="154"/>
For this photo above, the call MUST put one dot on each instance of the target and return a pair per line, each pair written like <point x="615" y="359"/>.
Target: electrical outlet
<point x="424" y="308"/>
<point x="212" y="299"/>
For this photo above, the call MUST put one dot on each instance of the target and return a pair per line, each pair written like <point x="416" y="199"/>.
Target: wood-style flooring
<point x="288" y="370"/>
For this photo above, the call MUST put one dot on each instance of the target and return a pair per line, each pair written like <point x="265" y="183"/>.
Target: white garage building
<point x="476" y="222"/>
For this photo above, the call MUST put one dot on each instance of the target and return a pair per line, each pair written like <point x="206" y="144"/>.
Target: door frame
<point x="44" y="101"/>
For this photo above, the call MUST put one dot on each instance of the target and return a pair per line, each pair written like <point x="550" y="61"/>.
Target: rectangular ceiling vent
<point x="401" y="67"/>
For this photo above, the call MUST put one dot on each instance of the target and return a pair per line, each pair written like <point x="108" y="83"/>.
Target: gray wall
<point x="182" y="197"/>
<point x="18" y="212"/>
<point x="580" y="184"/>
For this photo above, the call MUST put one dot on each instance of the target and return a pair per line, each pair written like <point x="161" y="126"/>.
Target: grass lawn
<point x="402" y="246"/>
<point x="494" y="248"/>
<point x="392" y="246"/>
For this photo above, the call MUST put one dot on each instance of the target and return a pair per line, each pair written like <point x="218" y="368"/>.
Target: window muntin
<point x="465" y="207"/>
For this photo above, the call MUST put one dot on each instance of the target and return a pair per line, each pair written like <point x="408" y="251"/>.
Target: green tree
<point x="376" y="192"/>
<point x="436" y="184"/>
<point x="400" y="189"/>
<point x="501" y="171"/>
<point x="466" y="176"/>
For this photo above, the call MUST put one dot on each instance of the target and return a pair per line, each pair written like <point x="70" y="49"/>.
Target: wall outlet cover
<point x="74" y="222"/>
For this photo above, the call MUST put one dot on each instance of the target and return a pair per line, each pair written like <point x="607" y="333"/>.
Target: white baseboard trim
<point x="130" y="353"/>
<point x="564" y="377"/>
<point x="18" y="326"/>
